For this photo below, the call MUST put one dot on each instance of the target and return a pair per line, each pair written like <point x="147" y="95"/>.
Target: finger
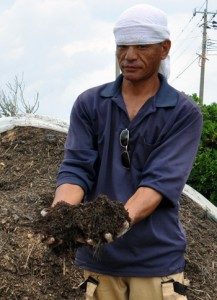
<point x="50" y="241"/>
<point x="126" y="225"/>
<point x="90" y="242"/>
<point x="81" y="240"/>
<point x="85" y="241"/>
<point x="44" y="212"/>
<point x="124" y="229"/>
<point x="108" y="236"/>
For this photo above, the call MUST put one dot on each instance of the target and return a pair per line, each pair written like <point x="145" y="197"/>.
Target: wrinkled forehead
<point x="141" y="24"/>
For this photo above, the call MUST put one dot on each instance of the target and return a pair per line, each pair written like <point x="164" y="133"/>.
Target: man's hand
<point x="107" y="236"/>
<point x="93" y="223"/>
<point x="125" y="227"/>
<point x="49" y="240"/>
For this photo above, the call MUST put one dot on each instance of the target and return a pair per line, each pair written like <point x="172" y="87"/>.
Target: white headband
<point x="143" y="24"/>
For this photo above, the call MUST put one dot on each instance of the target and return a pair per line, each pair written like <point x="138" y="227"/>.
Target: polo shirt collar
<point x="167" y="96"/>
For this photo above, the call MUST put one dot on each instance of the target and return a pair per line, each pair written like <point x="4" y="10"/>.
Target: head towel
<point x="143" y="24"/>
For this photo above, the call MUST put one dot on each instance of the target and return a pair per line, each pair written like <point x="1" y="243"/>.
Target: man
<point x="134" y="140"/>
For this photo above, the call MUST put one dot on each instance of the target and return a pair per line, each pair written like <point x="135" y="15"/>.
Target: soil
<point x="66" y="227"/>
<point x="32" y="270"/>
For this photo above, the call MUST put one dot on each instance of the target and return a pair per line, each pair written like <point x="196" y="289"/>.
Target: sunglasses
<point x="124" y="141"/>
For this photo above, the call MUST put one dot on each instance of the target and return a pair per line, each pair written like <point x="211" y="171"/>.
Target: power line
<point x="183" y="45"/>
<point x="208" y="46"/>
<point x="184" y="70"/>
<point x="183" y="30"/>
<point x="181" y="50"/>
<point x="178" y="36"/>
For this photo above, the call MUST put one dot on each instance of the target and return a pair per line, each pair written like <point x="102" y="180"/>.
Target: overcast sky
<point x="63" y="47"/>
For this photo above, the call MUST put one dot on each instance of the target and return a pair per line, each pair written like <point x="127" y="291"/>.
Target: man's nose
<point x="131" y="53"/>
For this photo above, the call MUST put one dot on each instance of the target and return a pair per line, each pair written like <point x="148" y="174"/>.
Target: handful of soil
<point x="67" y="225"/>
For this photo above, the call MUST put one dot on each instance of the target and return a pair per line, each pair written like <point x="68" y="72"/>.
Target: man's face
<point x="140" y="62"/>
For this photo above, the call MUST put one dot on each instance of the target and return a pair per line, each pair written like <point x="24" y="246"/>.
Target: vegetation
<point x="204" y="172"/>
<point x="12" y="101"/>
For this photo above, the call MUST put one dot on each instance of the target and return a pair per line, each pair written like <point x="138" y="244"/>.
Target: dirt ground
<point x="29" y="270"/>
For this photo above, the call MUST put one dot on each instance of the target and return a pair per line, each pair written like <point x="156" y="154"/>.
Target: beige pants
<point x="133" y="288"/>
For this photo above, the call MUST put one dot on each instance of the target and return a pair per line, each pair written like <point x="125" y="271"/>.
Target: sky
<point x="59" y="48"/>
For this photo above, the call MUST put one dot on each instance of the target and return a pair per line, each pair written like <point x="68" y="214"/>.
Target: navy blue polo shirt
<point x="164" y="138"/>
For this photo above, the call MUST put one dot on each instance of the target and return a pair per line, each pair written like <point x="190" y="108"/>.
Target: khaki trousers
<point x="133" y="288"/>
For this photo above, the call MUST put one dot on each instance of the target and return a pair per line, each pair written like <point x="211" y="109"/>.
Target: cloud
<point x="97" y="46"/>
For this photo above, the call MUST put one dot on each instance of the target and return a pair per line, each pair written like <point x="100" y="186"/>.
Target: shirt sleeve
<point x="80" y="155"/>
<point x="170" y="163"/>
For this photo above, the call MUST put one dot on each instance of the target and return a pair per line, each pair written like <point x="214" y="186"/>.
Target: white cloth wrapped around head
<point x="143" y="24"/>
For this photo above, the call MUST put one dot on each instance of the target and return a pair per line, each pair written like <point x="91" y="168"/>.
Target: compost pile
<point x="29" y="269"/>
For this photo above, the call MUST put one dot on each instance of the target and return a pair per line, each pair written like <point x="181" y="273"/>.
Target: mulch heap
<point x="29" y="269"/>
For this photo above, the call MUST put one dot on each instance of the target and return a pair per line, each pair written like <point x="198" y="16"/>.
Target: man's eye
<point x="143" y="46"/>
<point x="121" y="46"/>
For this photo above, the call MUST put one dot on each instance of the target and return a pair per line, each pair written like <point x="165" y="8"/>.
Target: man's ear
<point x="165" y="48"/>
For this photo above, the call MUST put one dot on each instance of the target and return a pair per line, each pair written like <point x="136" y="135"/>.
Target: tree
<point x="203" y="174"/>
<point x="196" y="98"/>
<point x="13" y="102"/>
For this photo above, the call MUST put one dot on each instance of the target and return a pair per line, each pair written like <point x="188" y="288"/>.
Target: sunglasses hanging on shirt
<point x="124" y="141"/>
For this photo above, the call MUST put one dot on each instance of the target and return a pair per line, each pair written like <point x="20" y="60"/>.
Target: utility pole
<point x="204" y="47"/>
